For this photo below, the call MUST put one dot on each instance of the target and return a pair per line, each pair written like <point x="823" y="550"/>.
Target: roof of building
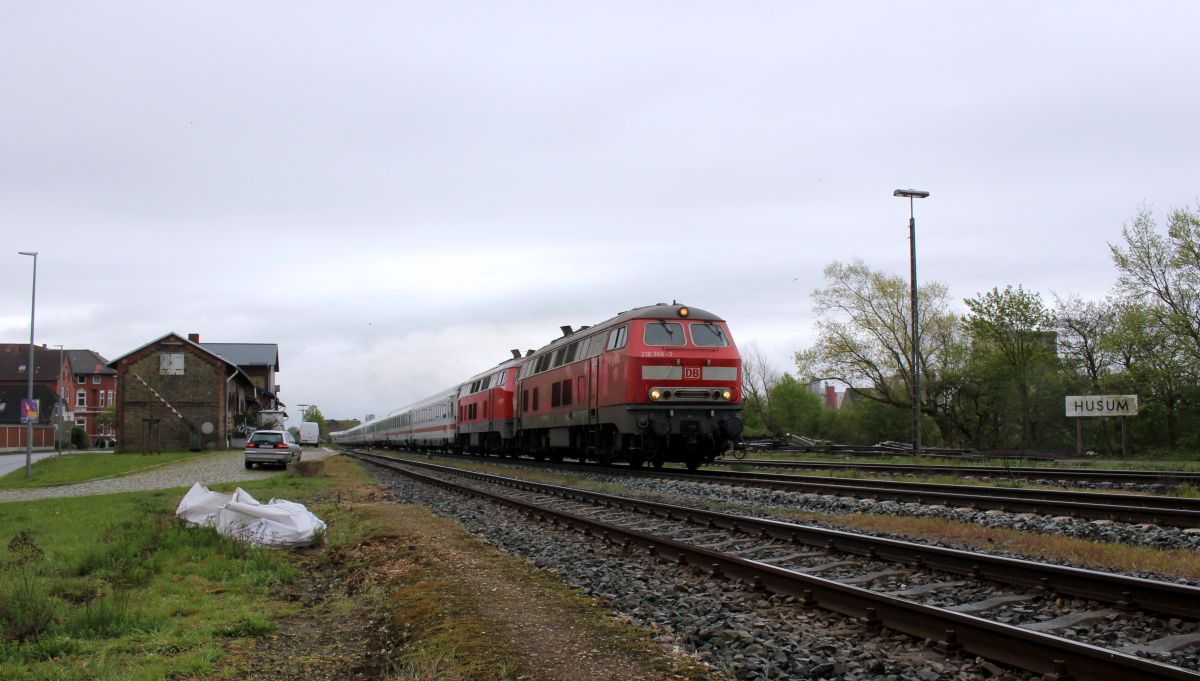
<point x="246" y="354"/>
<point x="15" y="356"/>
<point x="11" y="396"/>
<point x="204" y="349"/>
<point x="88" y="362"/>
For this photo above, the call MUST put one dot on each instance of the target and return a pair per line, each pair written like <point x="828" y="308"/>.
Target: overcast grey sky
<point x="398" y="193"/>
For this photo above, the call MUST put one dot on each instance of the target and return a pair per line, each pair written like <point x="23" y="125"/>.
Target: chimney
<point x="566" y="331"/>
<point x="830" y="396"/>
<point x="515" y="353"/>
<point x="194" y="337"/>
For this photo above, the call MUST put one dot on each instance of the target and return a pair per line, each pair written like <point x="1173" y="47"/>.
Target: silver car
<point x="271" y="446"/>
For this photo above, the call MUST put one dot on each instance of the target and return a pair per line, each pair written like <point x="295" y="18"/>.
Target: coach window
<point x="487" y="383"/>
<point x="500" y="377"/>
<point x="555" y="394"/>
<point x="535" y="399"/>
<point x="525" y="400"/>
<point x="566" y="393"/>
<point x="664" y="333"/>
<point x="570" y="355"/>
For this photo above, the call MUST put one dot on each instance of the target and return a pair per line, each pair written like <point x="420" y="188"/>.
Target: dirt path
<point x="420" y="598"/>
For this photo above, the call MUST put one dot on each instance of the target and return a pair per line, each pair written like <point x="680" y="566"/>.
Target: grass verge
<point x="113" y="587"/>
<point x="78" y="467"/>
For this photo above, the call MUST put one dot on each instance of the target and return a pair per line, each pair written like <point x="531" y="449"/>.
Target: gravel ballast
<point x="737" y="631"/>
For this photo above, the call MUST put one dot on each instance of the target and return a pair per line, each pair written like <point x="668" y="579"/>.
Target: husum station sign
<point x="1102" y="405"/>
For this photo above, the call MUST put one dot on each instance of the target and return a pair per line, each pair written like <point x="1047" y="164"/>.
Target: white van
<point x="310" y="434"/>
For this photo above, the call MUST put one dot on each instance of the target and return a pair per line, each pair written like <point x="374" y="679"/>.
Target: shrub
<point x="79" y="438"/>
<point x="26" y="607"/>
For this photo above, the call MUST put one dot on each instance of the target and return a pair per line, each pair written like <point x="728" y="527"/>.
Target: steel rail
<point x="950" y="631"/>
<point x="1023" y="473"/>
<point x="1173" y="511"/>
<point x="1105" y="587"/>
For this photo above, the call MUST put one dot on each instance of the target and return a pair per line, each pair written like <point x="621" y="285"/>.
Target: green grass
<point x="68" y="468"/>
<point x="112" y="587"/>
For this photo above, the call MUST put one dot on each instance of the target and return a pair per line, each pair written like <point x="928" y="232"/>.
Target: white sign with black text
<point x="1102" y="405"/>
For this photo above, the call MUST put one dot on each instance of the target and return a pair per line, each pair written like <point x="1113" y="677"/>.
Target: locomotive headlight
<point x="655" y="394"/>
<point x="726" y="394"/>
<point x="683" y="312"/>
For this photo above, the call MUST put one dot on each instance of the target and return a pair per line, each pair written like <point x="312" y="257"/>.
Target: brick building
<point x="175" y="394"/>
<point x="50" y="376"/>
<point x="92" y="387"/>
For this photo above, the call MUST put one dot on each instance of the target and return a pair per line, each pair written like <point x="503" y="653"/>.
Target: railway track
<point x="1046" y="619"/>
<point x="1129" y="508"/>
<point x="1095" y="475"/>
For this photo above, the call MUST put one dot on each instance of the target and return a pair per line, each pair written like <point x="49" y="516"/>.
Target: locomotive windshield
<point x="708" y="335"/>
<point x="664" y="333"/>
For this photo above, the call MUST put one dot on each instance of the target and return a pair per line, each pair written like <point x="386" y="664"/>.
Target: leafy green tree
<point x="1013" y="345"/>
<point x="1164" y="271"/>
<point x="864" y="339"/>
<point x="1156" y="365"/>
<point x="793" y="409"/>
<point x="313" y="413"/>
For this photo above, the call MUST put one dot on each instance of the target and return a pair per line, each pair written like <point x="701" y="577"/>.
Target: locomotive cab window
<point x="664" y="333"/>
<point x="708" y="335"/>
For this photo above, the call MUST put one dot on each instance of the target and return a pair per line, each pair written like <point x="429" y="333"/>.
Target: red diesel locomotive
<point x="655" y="384"/>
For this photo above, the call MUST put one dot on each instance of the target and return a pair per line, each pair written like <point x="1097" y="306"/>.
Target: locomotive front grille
<point x="689" y="394"/>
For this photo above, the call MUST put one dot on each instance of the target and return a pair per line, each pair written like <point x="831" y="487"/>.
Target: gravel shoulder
<point x="217" y="467"/>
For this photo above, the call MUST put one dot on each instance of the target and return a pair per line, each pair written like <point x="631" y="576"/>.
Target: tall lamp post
<point x="29" y="369"/>
<point x="301" y="407"/>
<point x="911" y="194"/>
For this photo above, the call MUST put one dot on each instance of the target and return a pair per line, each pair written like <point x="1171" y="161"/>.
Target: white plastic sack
<point x="278" y="524"/>
<point x="200" y="505"/>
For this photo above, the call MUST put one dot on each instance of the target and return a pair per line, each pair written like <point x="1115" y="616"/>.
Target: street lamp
<point x="911" y="194"/>
<point x="29" y="369"/>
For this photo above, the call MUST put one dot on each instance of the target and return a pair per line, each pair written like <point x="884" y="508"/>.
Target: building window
<point x="81" y="398"/>
<point x="80" y="378"/>
<point x="110" y="397"/>
<point x="96" y="379"/>
<point x="101" y="396"/>
<point x="81" y="422"/>
<point x="170" y="363"/>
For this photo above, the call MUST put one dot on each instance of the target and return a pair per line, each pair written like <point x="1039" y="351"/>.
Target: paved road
<point x="15" y="461"/>
<point x="208" y="469"/>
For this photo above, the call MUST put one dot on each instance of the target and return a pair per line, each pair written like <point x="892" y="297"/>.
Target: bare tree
<point x="759" y="378"/>
<point x="1082" y="327"/>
